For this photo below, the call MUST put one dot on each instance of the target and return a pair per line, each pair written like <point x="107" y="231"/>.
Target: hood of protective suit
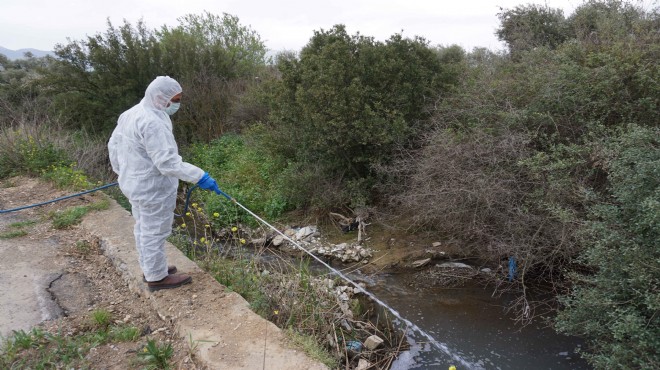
<point x="143" y="151"/>
<point x="159" y="92"/>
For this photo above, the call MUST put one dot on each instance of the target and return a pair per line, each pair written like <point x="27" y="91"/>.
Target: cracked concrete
<point x="27" y="270"/>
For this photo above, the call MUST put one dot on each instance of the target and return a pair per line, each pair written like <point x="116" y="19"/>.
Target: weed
<point x="67" y="177"/>
<point x="312" y="348"/>
<point x="192" y="345"/>
<point x="101" y="205"/>
<point x="18" y="225"/>
<point x="124" y="333"/>
<point x="13" y="234"/>
<point x="72" y="216"/>
<point x="156" y="356"/>
<point x="32" y="339"/>
<point x="69" y="217"/>
<point x="83" y="247"/>
<point x="101" y="318"/>
<point x="17" y="233"/>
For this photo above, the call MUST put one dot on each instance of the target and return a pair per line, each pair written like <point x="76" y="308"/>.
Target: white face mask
<point x="172" y="108"/>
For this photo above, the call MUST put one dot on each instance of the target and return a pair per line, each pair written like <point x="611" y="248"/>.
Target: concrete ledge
<point x="228" y="334"/>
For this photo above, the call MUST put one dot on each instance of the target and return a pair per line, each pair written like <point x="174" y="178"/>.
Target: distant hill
<point x="20" y="53"/>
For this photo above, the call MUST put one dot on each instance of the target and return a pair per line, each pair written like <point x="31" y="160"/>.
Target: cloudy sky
<point x="283" y="24"/>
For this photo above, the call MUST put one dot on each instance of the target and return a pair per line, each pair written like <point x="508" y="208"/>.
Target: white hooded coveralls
<point x="145" y="156"/>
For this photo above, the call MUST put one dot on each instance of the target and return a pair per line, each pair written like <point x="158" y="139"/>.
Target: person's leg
<point x="155" y="226"/>
<point x="135" y="210"/>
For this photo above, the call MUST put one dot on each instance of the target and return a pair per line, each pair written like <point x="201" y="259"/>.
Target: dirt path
<point x="56" y="277"/>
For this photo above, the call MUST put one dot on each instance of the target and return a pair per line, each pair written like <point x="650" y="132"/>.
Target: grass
<point x="73" y="215"/>
<point x="69" y="217"/>
<point x="156" y="356"/>
<point x="101" y="318"/>
<point x="17" y="233"/>
<point x="37" y="349"/>
<point x="124" y="333"/>
<point x="18" y="225"/>
<point x="312" y="348"/>
<point x="13" y="234"/>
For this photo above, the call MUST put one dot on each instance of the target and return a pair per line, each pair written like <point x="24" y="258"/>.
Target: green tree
<point x="526" y="27"/>
<point x="349" y="101"/>
<point x="94" y="80"/>
<point x="600" y="22"/>
<point x="216" y="59"/>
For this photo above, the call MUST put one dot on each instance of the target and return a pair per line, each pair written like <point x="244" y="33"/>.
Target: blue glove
<point x="208" y="183"/>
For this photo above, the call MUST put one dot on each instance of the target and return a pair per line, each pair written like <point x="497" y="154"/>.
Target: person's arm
<point x="162" y="149"/>
<point x="112" y="151"/>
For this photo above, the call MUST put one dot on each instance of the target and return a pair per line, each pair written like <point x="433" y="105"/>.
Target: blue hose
<point x="57" y="200"/>
<point x="87" y="192"/>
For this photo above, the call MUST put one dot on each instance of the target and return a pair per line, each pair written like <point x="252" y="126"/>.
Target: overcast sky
<point x="283" y="24"/>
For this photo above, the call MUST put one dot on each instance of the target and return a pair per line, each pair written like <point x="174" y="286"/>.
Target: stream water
<point x="473" y="326"/>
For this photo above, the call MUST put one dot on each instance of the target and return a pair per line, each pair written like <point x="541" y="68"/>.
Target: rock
<point x="278" y="240"/>
<point x="373" y="342"/>
<point x="290" y="233"/>
<point x="486" y="270"/>
<point x="363" y="364"/>
<point x="305" y="232"/>
<point x="420" y="263"/>
<point x="436" y="244"/>
<point x="457" y="265"/>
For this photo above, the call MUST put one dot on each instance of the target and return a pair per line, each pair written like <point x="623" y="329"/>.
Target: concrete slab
<point x="27" y="269"/>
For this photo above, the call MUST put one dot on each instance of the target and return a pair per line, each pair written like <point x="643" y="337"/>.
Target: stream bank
<point x="447" y="295"/>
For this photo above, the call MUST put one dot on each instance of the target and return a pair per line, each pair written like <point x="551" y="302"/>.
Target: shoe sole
<point x="171" y="286"/>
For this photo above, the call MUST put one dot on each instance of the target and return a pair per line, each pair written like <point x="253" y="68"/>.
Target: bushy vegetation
<point x="244" y="172"/>
<point x="615" y="305"/>
<point x="547" y="152"/>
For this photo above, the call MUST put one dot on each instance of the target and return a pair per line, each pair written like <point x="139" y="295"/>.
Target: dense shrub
<point x="245" y="173"/>
<point x="615" y="304"/>
<point x="347" y="101"/>
<point x="214" y="58"/>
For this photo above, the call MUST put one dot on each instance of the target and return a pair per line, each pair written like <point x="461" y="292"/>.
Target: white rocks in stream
<point x="420" y="263"/>
<point x="363" y="365"/>
<point x="454" y="265"/>
<point x="373" y="342"/>
<point x="308" y="237"/>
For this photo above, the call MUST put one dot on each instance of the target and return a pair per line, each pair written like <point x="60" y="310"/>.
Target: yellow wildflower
<point x="207" y="225"/>
<point x="194" y="205"/>
<point x="234" y="229"/>
<point x="242" y="241"/>
<point x="202" y="239"/>
<point x="216" y="214"/>
<point x="183" y="225"/>
<point x="187" y="213"/>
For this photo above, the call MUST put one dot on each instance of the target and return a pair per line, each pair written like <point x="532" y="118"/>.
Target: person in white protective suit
<point x="145" y="156"/>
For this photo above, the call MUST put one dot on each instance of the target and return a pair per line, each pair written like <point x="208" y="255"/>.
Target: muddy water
<point x="475" y="327"/>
